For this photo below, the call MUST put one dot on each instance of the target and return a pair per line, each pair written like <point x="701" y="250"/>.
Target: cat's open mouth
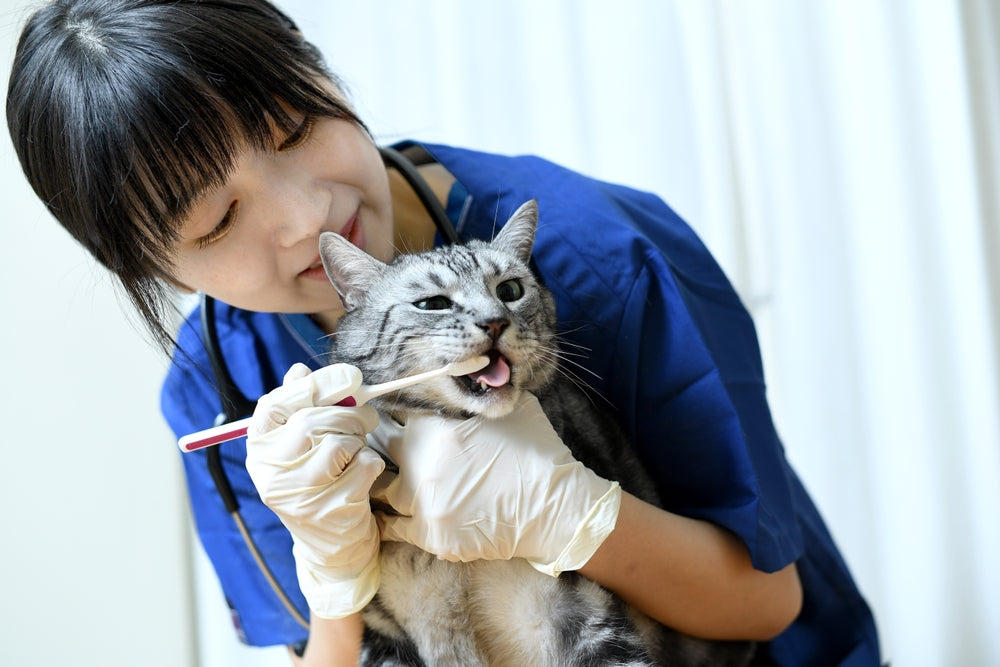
<point x="496" y="374"/>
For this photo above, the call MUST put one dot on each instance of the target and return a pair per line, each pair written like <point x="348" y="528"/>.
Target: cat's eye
<point x="299" y="135"/>
<point x="433" y="303"/>
<point x="510" y="290"/>
<point x="224" y="227"/>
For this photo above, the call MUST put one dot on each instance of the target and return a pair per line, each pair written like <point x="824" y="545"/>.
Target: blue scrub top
<point x="669" y="344"/>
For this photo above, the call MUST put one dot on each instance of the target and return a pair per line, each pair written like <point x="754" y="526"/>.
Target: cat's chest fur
<point x="505" y="609"/>
<point x="502" y="607"/>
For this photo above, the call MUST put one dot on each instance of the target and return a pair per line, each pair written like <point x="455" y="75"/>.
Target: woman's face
<point x="254" y="242"/>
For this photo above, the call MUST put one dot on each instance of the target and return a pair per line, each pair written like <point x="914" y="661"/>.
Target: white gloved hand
<point x="310" y="464"/>
<point x="496" y="489"/>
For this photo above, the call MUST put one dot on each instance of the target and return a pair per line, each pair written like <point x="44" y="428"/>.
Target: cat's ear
<point x="350" y="269"/>
<point x="518" y="235"/>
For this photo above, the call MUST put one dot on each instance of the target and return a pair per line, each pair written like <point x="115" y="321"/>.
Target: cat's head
<point x="425" y="310"/>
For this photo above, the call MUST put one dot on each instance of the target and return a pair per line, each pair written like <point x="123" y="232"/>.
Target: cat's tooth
<point x="483" y="385"/>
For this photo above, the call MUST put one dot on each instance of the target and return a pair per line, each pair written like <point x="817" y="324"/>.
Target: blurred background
<point x="841" y="159"/>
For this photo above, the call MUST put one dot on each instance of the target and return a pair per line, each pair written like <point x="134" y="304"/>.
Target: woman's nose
<point x="302" y="213"/>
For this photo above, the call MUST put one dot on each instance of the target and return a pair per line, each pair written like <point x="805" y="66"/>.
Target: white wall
<point x="93" y="528"/>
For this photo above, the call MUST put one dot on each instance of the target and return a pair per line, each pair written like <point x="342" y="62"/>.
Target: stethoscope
<point x="236" y="406"/>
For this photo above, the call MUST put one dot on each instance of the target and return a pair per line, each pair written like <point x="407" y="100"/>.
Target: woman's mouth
<point x="353" y="232"/>
<point x="315" y="271"/>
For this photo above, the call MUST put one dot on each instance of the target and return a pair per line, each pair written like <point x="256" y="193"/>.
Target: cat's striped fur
<point x="422" y="312"/>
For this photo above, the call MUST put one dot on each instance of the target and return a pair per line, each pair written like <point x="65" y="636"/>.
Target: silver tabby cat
<point x="419" y="313"/>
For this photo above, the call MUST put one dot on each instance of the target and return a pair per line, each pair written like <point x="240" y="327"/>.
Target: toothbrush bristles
<point x="470" y="365"/>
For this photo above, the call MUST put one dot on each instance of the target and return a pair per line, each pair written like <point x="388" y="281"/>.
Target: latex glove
<point x="496" y="489"/>
<point x="311" y="465"/>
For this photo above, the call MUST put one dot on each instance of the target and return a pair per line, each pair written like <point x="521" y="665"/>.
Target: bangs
<point x="183" y="137"/>
<point x="172" y="155"/>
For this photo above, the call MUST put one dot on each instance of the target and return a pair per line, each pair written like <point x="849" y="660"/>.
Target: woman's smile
<point x="353" y="231"/>
<point x="315" y="271"/>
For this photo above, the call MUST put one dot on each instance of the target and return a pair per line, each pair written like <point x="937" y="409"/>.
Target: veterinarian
<point x="203" y="147"/>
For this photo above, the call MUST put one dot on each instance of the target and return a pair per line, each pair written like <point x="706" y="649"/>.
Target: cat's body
<point x="422" y="312"/>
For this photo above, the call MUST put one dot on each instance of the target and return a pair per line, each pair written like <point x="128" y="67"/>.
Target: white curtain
<point x="840" y="157"/>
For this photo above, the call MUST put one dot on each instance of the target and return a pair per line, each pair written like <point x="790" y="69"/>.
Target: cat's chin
<point x="493" y="404"/>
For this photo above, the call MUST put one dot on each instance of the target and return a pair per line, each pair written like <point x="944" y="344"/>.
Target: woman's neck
<point x="413" y="224"/>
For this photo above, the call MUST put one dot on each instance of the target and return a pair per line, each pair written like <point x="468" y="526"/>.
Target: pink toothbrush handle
<point x="226" y="432"/>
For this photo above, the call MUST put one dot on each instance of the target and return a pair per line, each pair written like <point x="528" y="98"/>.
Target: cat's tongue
<point x="497" y="374"/>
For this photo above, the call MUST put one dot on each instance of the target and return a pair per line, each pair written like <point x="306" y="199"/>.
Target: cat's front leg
<point x="424" y="601"/>
<point x="528" y="619"/>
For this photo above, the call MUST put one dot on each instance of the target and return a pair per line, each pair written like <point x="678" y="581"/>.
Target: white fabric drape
<point x="840" y="158"/>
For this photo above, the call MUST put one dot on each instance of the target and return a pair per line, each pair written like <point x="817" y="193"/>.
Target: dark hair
<point x="123" y="111"/>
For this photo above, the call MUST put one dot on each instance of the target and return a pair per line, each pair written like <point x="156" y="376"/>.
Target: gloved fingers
<point x="394" y="528"/>
<point x="306" y="427"/>
<point x="383" y="437"/>
<point x="413" y="487"/>
<point x="333" y="383"/>
<point x="325" y="463"/>
<point x="360" y="420"/>
<point x="351" y="479"/>
<point x="419" y="431"/>
<point x="428" y="441"/>
<point x="384" y="493"/>
<point x="296" y="372"/>
<point x="336" y="527"/>
<point x="379" y="490"/>
<point x="327" y="386"/>
<point x="526" y="430"/>
<point x="359" y="476"/>
<point x="329" y="485"/>
<point x="266" y="418"/>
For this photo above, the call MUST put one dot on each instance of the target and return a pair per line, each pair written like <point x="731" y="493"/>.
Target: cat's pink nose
<point x="494" y="327"/>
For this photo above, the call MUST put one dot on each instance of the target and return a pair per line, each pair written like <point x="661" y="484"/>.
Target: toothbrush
<point x="232" y="430"/>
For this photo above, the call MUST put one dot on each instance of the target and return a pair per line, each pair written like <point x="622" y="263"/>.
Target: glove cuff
<point x="589" y="535"/>
<point x="336" y="597"/>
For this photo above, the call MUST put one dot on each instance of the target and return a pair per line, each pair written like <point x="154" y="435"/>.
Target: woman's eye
<point x="433" y="303"/>
<point x="221" y="229"/>
<point x="298" y="136"/>
<point x="510" y="290"/>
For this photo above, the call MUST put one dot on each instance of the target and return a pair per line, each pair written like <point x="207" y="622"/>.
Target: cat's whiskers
<point x="576" y="349"/>
<point x="557" y="358"/>
<point x="564" y="357"/>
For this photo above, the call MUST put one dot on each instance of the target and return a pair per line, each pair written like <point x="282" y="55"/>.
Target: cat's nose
<point x="494" y="327"/>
